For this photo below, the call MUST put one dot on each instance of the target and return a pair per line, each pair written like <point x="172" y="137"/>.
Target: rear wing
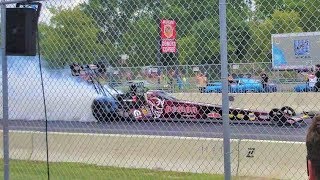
<point x="91" y="73"/>
<point x="78" y="70"/>
<point x="94" y="73"/>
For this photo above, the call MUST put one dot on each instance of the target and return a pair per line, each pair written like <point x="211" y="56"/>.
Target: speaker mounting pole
<point x="5" y="99"/>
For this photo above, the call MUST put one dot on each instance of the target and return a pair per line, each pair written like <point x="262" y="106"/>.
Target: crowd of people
<point x="180" y="80"/>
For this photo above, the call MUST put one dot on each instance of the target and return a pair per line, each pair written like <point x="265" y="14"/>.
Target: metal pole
<point x="224" y="78"/>
<point x="158" y="55"/>
<point x="5" y="93"/>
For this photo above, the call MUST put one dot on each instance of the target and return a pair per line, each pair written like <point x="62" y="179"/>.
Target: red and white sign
<point x="168" y="29"/>
<point x="168" y="45"/>
<point x="168" y="36"/>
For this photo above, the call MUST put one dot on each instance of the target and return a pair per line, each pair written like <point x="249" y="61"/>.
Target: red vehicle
<point x="148" y="105"/>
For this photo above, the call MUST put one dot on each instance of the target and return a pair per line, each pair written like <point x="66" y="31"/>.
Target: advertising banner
<point x="295" y="50"/>
<point x="168" y="36"/>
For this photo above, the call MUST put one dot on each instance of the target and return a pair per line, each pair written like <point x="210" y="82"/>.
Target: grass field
<point x="38" y="170"/>
<point x="25" y="170"/>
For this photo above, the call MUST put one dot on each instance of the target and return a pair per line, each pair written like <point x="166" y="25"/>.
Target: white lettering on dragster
<point x="181" y="109"/>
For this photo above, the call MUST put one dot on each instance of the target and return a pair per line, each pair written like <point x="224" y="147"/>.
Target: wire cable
<point x="44" y="101"/>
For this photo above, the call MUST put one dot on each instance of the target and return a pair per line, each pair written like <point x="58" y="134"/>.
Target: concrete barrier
<point x="308" y="101"/>
<point x="21" y="144"/>
<point x="285" y="160"/>
<point x="273" y="159"/>
<point x="153" y="152"/>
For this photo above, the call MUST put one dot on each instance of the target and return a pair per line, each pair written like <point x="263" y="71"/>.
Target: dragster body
<point x="139" y="104"/>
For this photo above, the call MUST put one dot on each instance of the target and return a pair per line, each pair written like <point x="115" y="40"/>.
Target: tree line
<point x="100" y="30"/>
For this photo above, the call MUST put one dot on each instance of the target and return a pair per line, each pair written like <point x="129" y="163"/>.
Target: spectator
<point x="313" y="149"/>
<point x="230" y="79"/>
<point x="317" y="85"/>
<point x="311" y="80"/>
<point x="171" y="77"/>
<point x="264" y="80"/>
<point x="182" y="81"/>
<point x="202" y="81"/>
<point x="128" y="75"/>
<point x="179" y="81"/>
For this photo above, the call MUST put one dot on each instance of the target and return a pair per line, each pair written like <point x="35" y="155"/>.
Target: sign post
<point x="5" y="99"/>
<point x="225" y="94"/>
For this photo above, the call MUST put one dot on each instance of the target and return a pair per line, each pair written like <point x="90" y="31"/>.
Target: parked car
<point x="304" y="88"/>
<point x="307" y="86"/>
<point x="241" y="85"/>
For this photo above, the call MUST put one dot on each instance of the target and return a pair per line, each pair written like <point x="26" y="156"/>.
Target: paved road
<point x="208" y="130"/>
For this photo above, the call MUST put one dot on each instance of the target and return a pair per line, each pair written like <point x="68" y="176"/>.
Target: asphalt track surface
<point x="181" y="129"/>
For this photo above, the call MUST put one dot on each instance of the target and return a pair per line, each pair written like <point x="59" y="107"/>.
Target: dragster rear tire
<point x="277" y="117"/>
<point x="101" y="113"/>
<point x="288" y="110"/>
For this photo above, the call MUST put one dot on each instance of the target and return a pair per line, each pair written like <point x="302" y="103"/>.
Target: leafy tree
<point x="308" y="11"/>
<point x="71" y="36"/>
<point x="187" y="48"/>
<point x="206" y="34"/>
<point x="238" y="15"/>
<point x="139" y="42"/>
<point x="113" y="17"/>
<point x="279" y="22"/>
<point x="101" y="28"/>
<point x="265" y="8"/>
<point x="199" y="21"/>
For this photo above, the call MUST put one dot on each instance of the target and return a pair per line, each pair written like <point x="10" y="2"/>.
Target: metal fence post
<point x="5" y="93"/>
<point x="225" y="99"/>
<point x="158" y="55"/>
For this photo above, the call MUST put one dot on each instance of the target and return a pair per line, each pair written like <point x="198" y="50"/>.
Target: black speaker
<point x="21" y="31"/>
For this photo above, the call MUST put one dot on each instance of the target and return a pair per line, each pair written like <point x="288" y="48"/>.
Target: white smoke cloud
<point x="67" y="98"/>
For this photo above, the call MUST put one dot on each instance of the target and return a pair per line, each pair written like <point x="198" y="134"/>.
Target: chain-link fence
<point x="132" y="90"/>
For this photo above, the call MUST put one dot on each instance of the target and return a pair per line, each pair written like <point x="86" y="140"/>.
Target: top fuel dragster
<point x="141" y="104"/>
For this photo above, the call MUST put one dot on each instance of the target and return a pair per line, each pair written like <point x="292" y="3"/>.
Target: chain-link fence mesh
<point x="133" y="90"/>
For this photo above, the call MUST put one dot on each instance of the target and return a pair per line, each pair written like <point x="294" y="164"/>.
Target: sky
<point x="46" y="15"/>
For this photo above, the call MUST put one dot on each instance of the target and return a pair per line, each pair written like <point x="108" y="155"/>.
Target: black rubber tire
<point x="202" y="89"/>
<point x="242" y="113"/>
<point x="277" y="116"/>
<point x="246" y="116"/>
<point x="97" y="111"/>
<point x="288" y="110"/>
<point x="100" y="114"/>
<point x="234" y="114"/>
<point x="96" y="114"/>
